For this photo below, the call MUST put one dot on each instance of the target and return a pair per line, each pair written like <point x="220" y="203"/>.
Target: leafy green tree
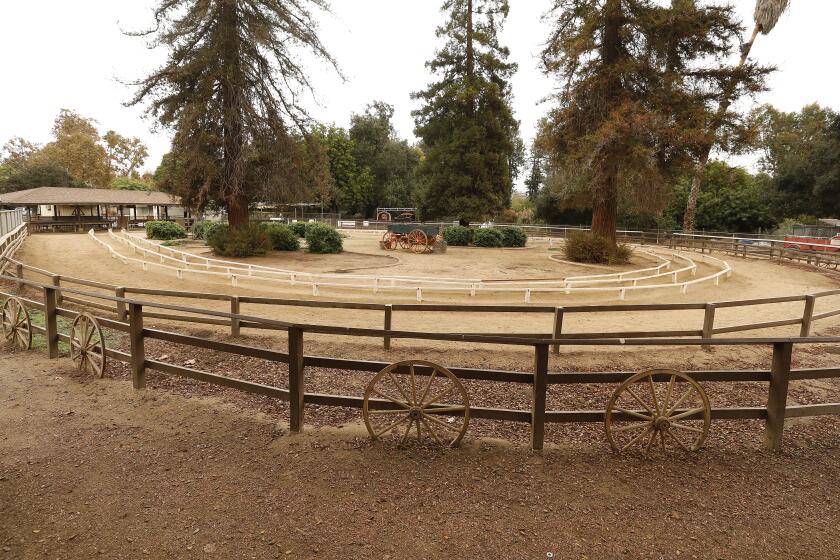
<point x="730" y="200"/>
<point x="466" y="121"/>
<point x="18" y="152"/>
<point x="230" y="90"/>
<point x="536" y="175"/>
<point x="640" y="81"/>
<point x="131" y="184"/>
<point x="37" y="175"/>
<point x="126" y="155"/>
<point x="784" y="138"/>
<point x="353" y="185"/>
<point x="77" y="149"/>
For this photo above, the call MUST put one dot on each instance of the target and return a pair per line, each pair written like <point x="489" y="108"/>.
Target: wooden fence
<point x="778" y="375"/>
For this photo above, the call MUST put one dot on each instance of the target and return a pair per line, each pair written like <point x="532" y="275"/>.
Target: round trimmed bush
<point x="322" y="239"/>
<point x="282" y="237"/>
<point x="165" y="230"/>
<point x="243" y="241"/>
<point x="488" y="237"/>
<point x="586" y="247"/>
<point x="513" y="237"/>
<point x="458" y="236"/>
<point x="299" y="228"/>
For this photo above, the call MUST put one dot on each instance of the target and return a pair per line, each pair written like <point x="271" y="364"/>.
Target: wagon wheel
<point x="678" y="415"/>
<point x="419" y="241"/>
<point x="416" y="402"/>
<point x="404" y="241"/>
<point x="87" y="344"/>
<point x="17" y="325"/>
<point x="389" y="241"/>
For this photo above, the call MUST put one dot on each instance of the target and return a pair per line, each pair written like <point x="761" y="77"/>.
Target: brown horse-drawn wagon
<point x="419" y="238"/>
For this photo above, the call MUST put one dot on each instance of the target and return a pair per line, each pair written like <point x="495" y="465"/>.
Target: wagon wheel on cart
<point x="419" y="241"/>
<point x="87" y="344"/>
<point x="400" y="402"/>
<point x="389" y="240"/>
<point x="640" y="416"/>
<point x="17" y="325"/>
<point x="404" y="242"/>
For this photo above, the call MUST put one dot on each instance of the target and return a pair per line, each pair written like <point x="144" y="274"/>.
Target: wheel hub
<point x="415" y="413"/>
<point x="661" y="424"/>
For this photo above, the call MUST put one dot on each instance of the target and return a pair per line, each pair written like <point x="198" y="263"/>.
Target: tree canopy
<point x="466" y="122"/>
<point x="230" y="91"/>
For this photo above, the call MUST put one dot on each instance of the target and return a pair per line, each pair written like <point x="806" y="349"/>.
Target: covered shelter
<point x="67" y="208"/>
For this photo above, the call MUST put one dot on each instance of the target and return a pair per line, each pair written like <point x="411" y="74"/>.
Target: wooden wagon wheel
<point x="389" y="241"/>
<point x="419" y="241"/>
<point x="87" y="344"/>
<point x="416" y="403"/>
<point x="404" y="241"/>
<point x="677" y="415"/>
<point x="17" y="325"/>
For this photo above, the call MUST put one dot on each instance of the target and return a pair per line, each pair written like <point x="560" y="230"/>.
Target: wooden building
<point x="64" y="208"/>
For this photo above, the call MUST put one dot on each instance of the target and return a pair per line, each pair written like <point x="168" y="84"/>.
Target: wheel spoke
<point x="391" y="426"/>
<point x="388" y="411"/>
<point x="678" y="440"/>
<point x="653" y="393"/>
<point x="438" y="396"/>
<point x="650" y="441"/>
<point x="407" y="431"/>
<point x="634" y="414"/>
<point x="441" y="423"/>
<point x="662" y="440"/>
<point x="636" y="439"/>
<point x="680" y="401"/>
<point x="428" y="386"/>
<point x="431" y="430"/>
<point x="392" y="399"/>
<point x="685" y="414"/>
<point x="634" y="426"/>
<point x="414" y="392"/>
<point x="686" y="427"/>
<point x="639" y="400"/>
<point x="668" y="393"/>
<point x="399" y="387"/>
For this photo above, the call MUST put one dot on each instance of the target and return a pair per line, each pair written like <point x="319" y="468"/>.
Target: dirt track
<point x="93" y="469"/>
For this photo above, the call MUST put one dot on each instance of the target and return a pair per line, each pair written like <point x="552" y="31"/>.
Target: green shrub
<point x="243" y="241"/>
<point x="513" y="237"/>
<point x="165" y="230"/>
<point x="488" y="237"/>
<point x="299" y="228"/>
<point x="584" y="246"/>
<point x="458" y="236"/>
<point x="282" y="237"/>
<point x="199" y="229"/>
<point x="322" y="239"/>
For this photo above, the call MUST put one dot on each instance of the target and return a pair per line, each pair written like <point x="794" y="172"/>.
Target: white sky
<point x="58" y="54"/>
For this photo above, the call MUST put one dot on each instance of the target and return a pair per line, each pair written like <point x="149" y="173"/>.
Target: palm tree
<point x="767" y="14"/>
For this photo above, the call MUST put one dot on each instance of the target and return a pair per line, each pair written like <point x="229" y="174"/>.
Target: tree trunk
<point x="690" y="216"/>
<point x="233" y="191"/>
<point x="605" y="210"/>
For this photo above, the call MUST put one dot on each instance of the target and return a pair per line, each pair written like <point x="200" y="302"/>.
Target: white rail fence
<point x="10" y="220"/>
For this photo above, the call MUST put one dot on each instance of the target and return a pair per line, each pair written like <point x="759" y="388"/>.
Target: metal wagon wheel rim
<point x="678" y="419"/>
<point x="414" y="407"/>
<point x="419" y="241"/>
<point x="404" y="241"/>
<point x="17" y="325"/>
<point x="87" y="344"/>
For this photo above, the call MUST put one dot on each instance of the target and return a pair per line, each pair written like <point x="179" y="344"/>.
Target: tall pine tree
<point x="466" y="121"/>
<point x="230" y="91"/>
<point x="639" y="83"/>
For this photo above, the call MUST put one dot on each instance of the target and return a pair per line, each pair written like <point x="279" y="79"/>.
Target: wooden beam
<point x="807" y="315"/>
<point x="558" y="329"/>
<point x="296" y="380"/>
<point x="234" y="322"/>
<point x="777" y="398"/>
<point x="708" y="324"/>
<point x="50" y="321"/>
<point x="539" y="395"/>
<point x="138" y="352"/>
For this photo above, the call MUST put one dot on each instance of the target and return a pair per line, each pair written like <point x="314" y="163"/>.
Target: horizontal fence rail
<point x="778" y="376"/>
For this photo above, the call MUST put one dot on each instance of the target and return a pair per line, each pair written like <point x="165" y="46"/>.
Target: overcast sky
<point x="58" y="54"/>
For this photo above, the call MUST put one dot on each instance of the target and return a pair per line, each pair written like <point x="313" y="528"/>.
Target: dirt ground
<point x="94" y="469"/>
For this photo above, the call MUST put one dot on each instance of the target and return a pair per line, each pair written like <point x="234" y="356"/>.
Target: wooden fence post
<point x="296" y="382"/>
<point x="138" y="351"/>
<point x="388" y="315"/>
<point x="56" y="281"/>
<point x="538" y="398"/>
<point x="807" y="315"/>
<point x="558" y="329"/>
<point x="51" y="321"/>
<point x="119" y="292"/>
<point x="235" y="327"/>
<point x="19" y="274"/>
<point x="777" y="398"/>
<point x="708" y="324"/>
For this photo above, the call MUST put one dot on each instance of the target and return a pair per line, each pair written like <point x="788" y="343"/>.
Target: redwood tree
<point x="230" y="91"/>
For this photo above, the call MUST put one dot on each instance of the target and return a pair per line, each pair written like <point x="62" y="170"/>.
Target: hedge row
<point x="165" y="230"/>
<point x="485" y="237"/>
<point x="586" y="247"/>
<point x="257" y="239"/>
